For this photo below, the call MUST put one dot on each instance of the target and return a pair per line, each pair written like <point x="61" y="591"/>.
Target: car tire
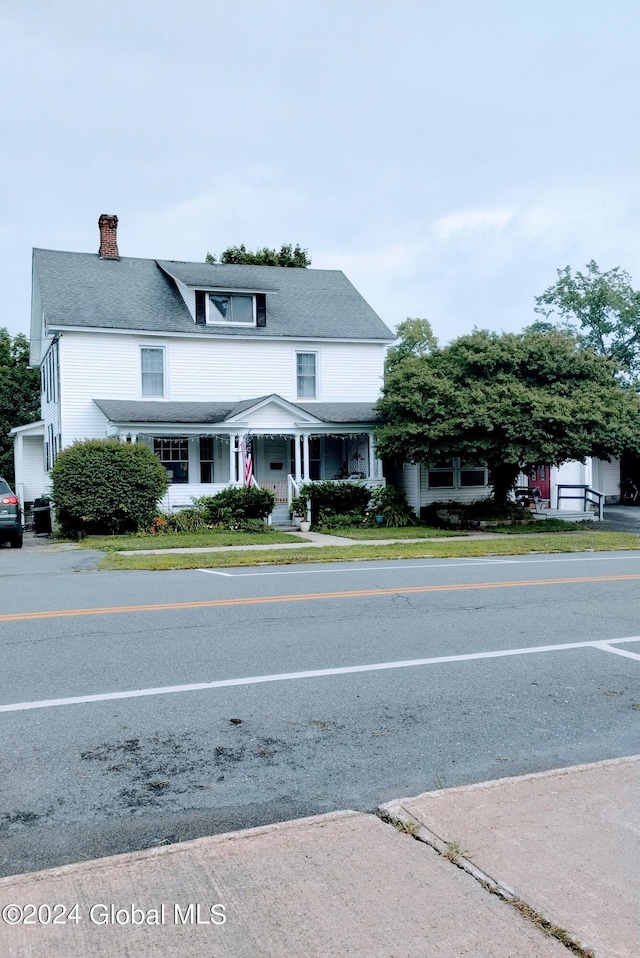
<point x="16" y="542"/>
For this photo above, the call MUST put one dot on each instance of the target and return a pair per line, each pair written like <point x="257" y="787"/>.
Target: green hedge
<point x="237" y="505"/>
<point x="106" y="486"/>
<point x="329" y="499"/>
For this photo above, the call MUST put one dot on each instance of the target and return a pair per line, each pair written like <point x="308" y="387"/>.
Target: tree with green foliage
<point x="602" y="308"/>
<point x="415" y="338"/>
<point x="106" y="486"/>
<point x="19" y="395"/>
<point x="512" y="400"/>
<point x="287" y="255"/>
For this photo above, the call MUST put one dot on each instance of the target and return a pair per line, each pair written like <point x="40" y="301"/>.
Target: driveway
<point x="623" y="518"/>
<point x="40" y="554"/>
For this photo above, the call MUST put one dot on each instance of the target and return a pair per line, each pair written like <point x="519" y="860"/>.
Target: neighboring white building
<point x="204" y="363"/>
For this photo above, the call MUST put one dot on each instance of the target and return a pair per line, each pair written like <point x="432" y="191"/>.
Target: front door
<point x="271" y="458"/>
<point x="541" y="479"/>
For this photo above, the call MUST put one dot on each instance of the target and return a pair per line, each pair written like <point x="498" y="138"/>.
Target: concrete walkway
<point x="562" y="846"/>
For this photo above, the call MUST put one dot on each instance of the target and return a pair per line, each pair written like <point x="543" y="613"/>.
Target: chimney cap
<point x="108" y="225"/>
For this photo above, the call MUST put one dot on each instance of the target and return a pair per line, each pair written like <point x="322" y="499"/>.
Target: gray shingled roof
<point x="189" y="413"/>
<point x="83" y="290"/>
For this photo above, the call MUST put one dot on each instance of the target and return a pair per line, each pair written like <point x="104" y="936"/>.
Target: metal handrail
<point x="585" y="494"/>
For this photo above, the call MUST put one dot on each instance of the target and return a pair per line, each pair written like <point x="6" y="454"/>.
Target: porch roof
<point x="190" y="413"/>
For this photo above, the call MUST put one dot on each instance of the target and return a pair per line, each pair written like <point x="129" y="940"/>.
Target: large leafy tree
<point x="19" y="394"/>
<point x="603" y="308"/>
<point x="512" y="400"/>
<point x="415" y="338"/>
<point x="287" y="255"/>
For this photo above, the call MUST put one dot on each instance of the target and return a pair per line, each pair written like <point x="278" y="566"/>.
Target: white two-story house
<point x="204" y="363"/>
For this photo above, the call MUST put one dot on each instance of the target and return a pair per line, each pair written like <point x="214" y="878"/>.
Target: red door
<point x="541" y="479"/>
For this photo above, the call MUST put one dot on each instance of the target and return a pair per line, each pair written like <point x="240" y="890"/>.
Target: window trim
<point x="316" y="355"/>
<point x="163" y="350"/>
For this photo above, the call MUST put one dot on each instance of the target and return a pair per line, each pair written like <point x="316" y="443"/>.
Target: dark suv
<point x="10" y="517"/>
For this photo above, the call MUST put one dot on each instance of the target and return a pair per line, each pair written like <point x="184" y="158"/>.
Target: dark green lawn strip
<point x="451" y="548"/>
<point x="185" y="540"/>
<point x="395" y="532"/>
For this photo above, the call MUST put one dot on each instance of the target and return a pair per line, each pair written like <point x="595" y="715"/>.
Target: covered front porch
<point x="269" y="442"/>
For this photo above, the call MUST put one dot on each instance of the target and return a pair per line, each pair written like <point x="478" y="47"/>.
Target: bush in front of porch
<point x="333" y="501"/>
<point x="237" y="508"/>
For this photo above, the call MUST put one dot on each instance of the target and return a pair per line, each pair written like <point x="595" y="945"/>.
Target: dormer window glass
<point x="236" y="308"/>
<point x="221" y="308"/>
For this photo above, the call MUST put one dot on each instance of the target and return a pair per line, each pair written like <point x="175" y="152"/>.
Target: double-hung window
<point x="307" y="375"/>
<point x="173" y="453"/>
<point x="152" y="371"/>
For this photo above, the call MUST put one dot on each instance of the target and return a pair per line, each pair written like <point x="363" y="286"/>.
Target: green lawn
<point x="544" y="526"/>
<point x="184" y="540"/>
<point x="447" y="548"/>
<point x="394" y="532"/>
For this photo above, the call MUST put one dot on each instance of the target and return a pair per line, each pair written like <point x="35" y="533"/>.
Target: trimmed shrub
<point x="340" y="521"/>
<point x="106" y="486"/>
<point x="335" y="498"/>
<point x="236" y="505"/>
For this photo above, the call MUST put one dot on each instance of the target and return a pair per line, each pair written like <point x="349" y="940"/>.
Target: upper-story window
<point x="222" y="308"/>
<point x="152" y="371"/>
<point x="231" y="308"/>
<point x="307" y="375"/>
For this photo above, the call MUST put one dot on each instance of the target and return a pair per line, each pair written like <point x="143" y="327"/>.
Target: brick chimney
<point x="108" y="236"/>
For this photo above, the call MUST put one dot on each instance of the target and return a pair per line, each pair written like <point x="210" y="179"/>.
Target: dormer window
<point x="231" y="309"/>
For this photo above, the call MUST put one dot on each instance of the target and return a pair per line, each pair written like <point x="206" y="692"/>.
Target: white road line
<point x="229" y="575"/>
<point x="380" y="568"/>
<point x="605" y="647"/>
<point x="398" y="566"/>
<point x="314" y="674"/>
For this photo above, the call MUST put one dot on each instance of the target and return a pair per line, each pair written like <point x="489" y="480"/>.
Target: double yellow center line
<point x="311" y="597"/>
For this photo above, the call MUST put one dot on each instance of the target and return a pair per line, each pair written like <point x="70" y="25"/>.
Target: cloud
<point x="472" y="222"/>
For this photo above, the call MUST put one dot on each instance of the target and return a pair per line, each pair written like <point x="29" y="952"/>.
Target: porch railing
<point x="588" y="496"/>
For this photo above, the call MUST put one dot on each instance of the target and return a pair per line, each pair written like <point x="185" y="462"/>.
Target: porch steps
<point x="567" y="515"/>
<point x="280" y="515"/>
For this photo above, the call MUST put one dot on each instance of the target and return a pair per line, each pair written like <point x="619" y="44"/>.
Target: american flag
<point x="247" y="461"/>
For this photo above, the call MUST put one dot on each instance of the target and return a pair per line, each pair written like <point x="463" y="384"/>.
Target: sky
<point x="448" y="155"/>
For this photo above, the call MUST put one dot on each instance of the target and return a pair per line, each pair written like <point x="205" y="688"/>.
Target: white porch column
<point x="232" y="458"/>
<point x="298" y="460"/>
<point x="305" y="456"/>
<point x="372" y="456"/>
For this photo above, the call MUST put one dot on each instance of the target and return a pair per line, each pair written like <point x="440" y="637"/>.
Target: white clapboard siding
<point x="107" y="366"/>
<point x="440" y="494"/>
<point x="610" y="477"/>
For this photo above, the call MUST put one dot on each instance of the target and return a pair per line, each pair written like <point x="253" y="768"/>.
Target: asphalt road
<point x="146" y="708"/>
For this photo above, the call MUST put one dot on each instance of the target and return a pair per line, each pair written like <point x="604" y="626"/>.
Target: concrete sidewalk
<point x="347" y="884"/>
